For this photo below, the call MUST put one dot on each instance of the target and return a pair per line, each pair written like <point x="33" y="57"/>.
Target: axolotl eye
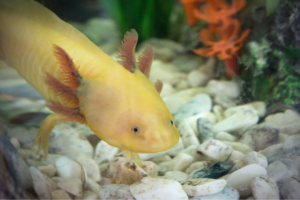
<point x="171" y="122"/>
<point x="135" y="129"/>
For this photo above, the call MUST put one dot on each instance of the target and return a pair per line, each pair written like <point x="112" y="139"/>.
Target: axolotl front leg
<point x="66" y="89"/>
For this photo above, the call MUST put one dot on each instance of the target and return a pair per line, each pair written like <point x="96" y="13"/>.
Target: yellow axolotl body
<point x="82" y="83"/>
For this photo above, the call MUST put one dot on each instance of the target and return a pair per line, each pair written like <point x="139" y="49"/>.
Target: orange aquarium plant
<point x="222" y="36"/>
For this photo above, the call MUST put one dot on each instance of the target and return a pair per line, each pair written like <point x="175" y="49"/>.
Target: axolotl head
<point x="125" y="109"/>
<point x="130" y="116"/>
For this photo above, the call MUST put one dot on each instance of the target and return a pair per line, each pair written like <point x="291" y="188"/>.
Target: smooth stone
<point x="207" y="115"/>
<point x="115" y="191"/>
<point x="161" y="158"/>
<point x="229" y="89"/>
<point x="88" y="195"/>
<point x="192" y="151"/>
<point x="250" y="158"/>
<point x="291" y="164"/>
<point x="261" y="136"/>
<point x="14" y="141"/>
<point x="128" y="173"/>
<point x="216" y="171"/>
<point x="242" y="178"/>
<point x="196" y="166"/>
<point x="162" y="170"/>
<point x="167" y="89"/>
<point x="157" y="188"/>
<point x="197" y="78"/>
<point x="104" y="152"/>
<point x="174" y="103"/>
<point x="204" y="127"/>
<point x="288" y="122"/>
<point x="165" y="72"/>
<point x="60" y="194"/>
<point x="289" y="188"/>
<point x="215" y="150"/>
<point x="179" y="163"/>
<point x="90" y="166"/>
<point x="292" y="142"/>
<point x="113" y="166"/>
<point x="283" y="154"/>
<point x="68" y="141"/>
<point x="278" y="171"/>
<point x="243" y="148"/>
<point x="271" y="149"/>
<point x="56" y="179"/>
<point x="176" y="175"/>
<point x="199" y="103"/>
<point x="92" y="185"/>
<point x="67" y="168"/>
<point x="147" y="156"/>
<point x="282" y="137"/>
<point x="150" y="168"/>
<point x="48" y="170"/>
<point x="187" y="134"/>
<point x="187" y="62"/>
<point x="72" y="186"/>
<point x="228" y="193"/>
<point x="219" y="112"/>
<point x="264" y="187"/>
<point x="42" y="184"/>
<point x="237" y="122"/>
<point x="188" y="94"/>
<point x="259" y="106"/>
<point x="203" y="186"/>
<point x="235" y="157"/>
<point x="176" y="149"/>
<point x="224" y="136"/>
<point x="17" y="167"/>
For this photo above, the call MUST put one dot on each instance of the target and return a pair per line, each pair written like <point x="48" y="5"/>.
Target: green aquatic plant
<point x="150" y="18"/>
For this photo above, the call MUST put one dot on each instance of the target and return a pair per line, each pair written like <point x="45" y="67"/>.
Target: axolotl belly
<point x="83" y="84"/>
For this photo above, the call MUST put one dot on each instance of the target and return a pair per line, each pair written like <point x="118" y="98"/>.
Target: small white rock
<point x="90" y="166"/>
<point x="176" y="175"/>
<point x="67" y="168"/>
<point x="60" y="194"/>
<point x="48" y="170"/>
<point x="289" y="188"/>
<point x="174" y="103"/>
<point x="179" y="163"/>
<point x="196" y="166"/>
<point x="161" y="158"/>
<point x="115" y="191"/>
<point x="235" y="157"/>
<point x="187" y="134"/>
<point x="92" y="185"/>
<point x="229" y="89"/>
<point x="15" y="142"/>
<point x="278" y="171"/>
<point x="72" y="186"/>
<point x="177" y="148"/>
<point x="88" y="195"/>
<point x="264" y="187"/>
<point x="251" y="158"/>
<point x="271" y="149"/>
<point x="292" y="142"/>
<point x="104" y="152"/>
<point x="157" y="188"/>
<point x="259" y="106"/>
<point x="216" y="150"/>
<point x="239" y="146"/>
<point x="208" y="115"/>
<point x="42" y="184"/>
<point x="237" y="122"/>
<point x="218" y="110"/>
<point x="242" y="178"/>
<point x="224" y="136"/>
<point x="203" y="186"/>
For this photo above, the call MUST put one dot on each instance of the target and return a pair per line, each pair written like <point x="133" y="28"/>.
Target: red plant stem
<point x="231" y="67"/>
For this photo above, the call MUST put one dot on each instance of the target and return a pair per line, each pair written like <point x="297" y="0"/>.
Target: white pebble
<point x="242" y="178"/>
<point x="15" y="142"/>
<point x="42" y="184"/>
<point x="179" y="163"/>
<point x="237" y="122"/>
<point x="92" y="185"/>
<point x="72" y="186"/>
<point x="208" y="115"/>
<point x="90" y="166"/>
<point x="60" y="194"/>
<point x="48" y="170"/>
<point x="104" y="152"/>
<point x="203" y="186"/>
<point x="177" y="148"/>
<point x="292" y="142"/>
<point x="224" y="136"/>
<point x="278" y="171"/>
<point x="264" y="187"/>
<point x="251" y="158"/>
<point x="239" y="146"/>
<point x="88" y="195"/>
<point x="187" y="134"/>
<point x="271" y="149"/>
<point x="67" y="168"/>
<point x="176" y="175"/>
<point x="196" y="166"/>
<point x="216" y="150"/>
<point x="289" y="188"/>
<point x="157" y="188"/>
<point x="235" y="157"/>
<point x="115" y="191"/>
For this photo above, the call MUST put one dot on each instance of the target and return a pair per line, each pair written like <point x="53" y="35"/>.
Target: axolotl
<point x="83" y="84"/>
